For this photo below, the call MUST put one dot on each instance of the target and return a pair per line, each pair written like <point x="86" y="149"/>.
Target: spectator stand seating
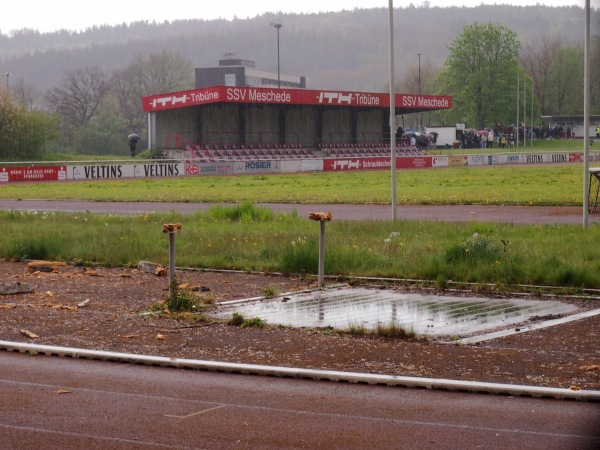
<point x="367" y="150"/>
<point x="244" y="152"/>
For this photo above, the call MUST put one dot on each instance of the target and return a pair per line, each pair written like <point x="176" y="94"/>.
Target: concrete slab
<point x="430" y="315"/>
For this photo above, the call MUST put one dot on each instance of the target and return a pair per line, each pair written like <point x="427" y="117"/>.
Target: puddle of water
<point x="429" y="315"/>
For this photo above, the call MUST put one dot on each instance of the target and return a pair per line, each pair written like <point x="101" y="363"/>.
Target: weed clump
<point x="393" y="331"/>
<point x="386" y="331"/>
<point x="179" y="300"/>
<point x="477" y="248"/>
<point x="238" y="320"/>
<point x="244" y="212"/>
<point x="270" y="291"/>
<point x="300" y="256"/>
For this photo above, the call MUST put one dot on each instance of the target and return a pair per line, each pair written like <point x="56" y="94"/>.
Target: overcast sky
<point x="77" y="15"/>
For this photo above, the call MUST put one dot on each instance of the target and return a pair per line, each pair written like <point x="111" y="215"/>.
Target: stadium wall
<point x="42" y="171"/>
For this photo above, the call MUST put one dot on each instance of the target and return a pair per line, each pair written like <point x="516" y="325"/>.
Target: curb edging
<point x="312" y="374"/>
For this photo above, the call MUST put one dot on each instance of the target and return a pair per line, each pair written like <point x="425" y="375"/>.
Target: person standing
<point x="132" y="140"/>
<point x="490" y="139"/>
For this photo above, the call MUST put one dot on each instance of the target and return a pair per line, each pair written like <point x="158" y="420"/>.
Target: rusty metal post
<point x="322" y="255"/>
<point x="171" y="262"/>
<point x="322" y="218"/>
<point x="171" y="229"/>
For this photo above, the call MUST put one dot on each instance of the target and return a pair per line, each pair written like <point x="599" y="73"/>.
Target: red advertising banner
<point x="244" y="94"/>
<point x="34" y="173"/>
<point x="345" y="164"/>
<point x="576" y="157"/>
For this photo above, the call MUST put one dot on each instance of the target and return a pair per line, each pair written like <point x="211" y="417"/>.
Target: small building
<point x="233" y="71"/>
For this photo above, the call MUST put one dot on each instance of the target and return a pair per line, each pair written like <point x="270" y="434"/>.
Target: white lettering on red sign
<point x="345" y="164"/>
<point x="171" y="100"/>
<point x="337" y="97"/>
<point x="425" y="102"/>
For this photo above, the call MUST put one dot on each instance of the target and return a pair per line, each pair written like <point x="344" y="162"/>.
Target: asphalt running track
<point x="49" y="402"/>
<point x="528" y="215"/>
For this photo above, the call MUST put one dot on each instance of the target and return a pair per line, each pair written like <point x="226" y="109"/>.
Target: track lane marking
<point x="197" y="413"/>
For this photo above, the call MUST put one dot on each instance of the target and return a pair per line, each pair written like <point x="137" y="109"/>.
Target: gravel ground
<point x="565" y="356"/>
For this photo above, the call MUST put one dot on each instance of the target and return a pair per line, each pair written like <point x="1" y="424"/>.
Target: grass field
<point x="497" y="185"/>
<point x="250" y="238"/>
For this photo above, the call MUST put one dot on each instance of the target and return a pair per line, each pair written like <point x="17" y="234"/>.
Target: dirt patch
<point x="109" y="319"/>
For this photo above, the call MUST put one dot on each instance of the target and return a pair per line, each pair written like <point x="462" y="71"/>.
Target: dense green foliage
<point x="481" y="75"/>
<point x="24" y="135"/>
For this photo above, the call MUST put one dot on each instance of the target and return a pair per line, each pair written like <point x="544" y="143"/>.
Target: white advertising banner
<point x="477" y="160"/>
<point x="115" y="171"/>
<point x="507" y="159"/>
<point x="209" y="168"/>
<point x="254" y="166"/>
<point x="439" y="161"/>
<point x="302" y="165"/>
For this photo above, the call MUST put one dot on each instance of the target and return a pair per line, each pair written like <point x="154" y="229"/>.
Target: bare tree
<point x="159" y="73"/>
<point x="77" y="99"/>
<point x="129" y="96"/>
<point x="162" y="72"/>
<point x="409" y="82"/>
<point x="538" y="59"/>
<point x="26" y="95"/>
<point x="595" y="69"/>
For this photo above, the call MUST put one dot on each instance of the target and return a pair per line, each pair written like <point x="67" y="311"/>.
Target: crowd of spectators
<point x="505" y="136"/>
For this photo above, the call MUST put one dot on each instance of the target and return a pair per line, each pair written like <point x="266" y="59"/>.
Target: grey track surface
<point x="71" y="403"/>
<point x="446" y="213"/>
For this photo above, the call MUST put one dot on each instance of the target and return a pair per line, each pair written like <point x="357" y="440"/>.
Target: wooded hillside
<point x="344" y="50"/>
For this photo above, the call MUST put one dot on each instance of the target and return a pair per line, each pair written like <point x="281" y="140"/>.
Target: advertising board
<point x="346" y="164"/>
<point x="33" y="173"/>
<point x="116" y="171"/>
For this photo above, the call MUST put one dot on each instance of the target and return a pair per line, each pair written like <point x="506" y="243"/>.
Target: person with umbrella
<point x="132" y="140"/>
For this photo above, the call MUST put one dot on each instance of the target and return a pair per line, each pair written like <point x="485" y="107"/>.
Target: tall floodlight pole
<point x="524" y="110"/>
<point x="586" y="116"/>
<point x="277" y="27"/>
<point x="419" y="91"/>
<point x="532" y="123"/>
<point x="518" y="102"/>
<point x="392" y="109"/>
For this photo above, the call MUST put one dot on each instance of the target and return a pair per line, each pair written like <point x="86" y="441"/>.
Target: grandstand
<point x="225" y="123"/>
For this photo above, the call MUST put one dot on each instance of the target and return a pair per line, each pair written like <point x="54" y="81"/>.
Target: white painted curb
<point x="319" y="375"/>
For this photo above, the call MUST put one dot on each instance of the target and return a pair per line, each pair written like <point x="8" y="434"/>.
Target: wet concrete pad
<point x="431" y="315"/>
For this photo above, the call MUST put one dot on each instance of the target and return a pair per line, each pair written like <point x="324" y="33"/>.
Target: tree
<point x="537" y="60"/>
<point x="77" y="100"/>
<point x="24" y="135"/>
<point x="160" y="72"/>
<point x="25" y="94"/>
<point x="566" y="81"/>
<point x="129" y="98"/>
<point x="595" y="80"/>
<point x="481" y="73"/>
<point x="409" y="83"/>
<point x="103" y="135"/>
